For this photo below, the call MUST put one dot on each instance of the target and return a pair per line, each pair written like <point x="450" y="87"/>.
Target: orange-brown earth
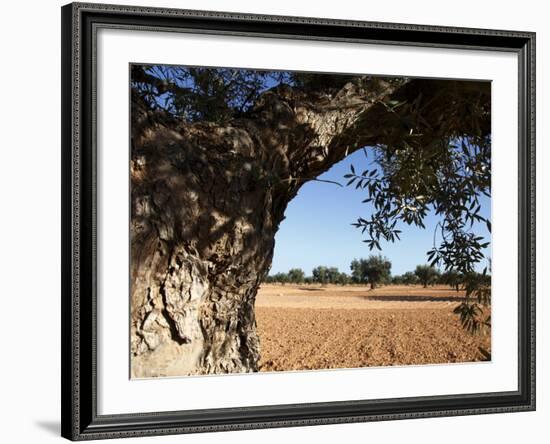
<point x="305" y="327"/>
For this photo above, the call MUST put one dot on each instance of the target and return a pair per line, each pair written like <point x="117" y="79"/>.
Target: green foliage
<point x="329" y="275"/>
<point x="374" y="270"/>
<point x="202" y="94"/>
<point x="478" y="287"/>
<point x="426" y="274"/>
<point x="343" y="279"/>
<point x="409" y="278"/>
<point x="478" y="295"/>
<point x="433" y="154"/>
<point x="471" y="317"/>
<point x="410" y="182"/>
<point x="397" y="280"/>
<point x="322" y="275"/>
<point x="281" y="278"/>
<point x="452" y="278"/>
<point x="296" y="275"/>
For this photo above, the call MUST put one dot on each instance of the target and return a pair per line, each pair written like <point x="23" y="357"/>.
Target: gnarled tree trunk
<point x="207" y="201"/>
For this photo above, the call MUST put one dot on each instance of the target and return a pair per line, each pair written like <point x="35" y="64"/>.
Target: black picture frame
<point x="79" y="385"/>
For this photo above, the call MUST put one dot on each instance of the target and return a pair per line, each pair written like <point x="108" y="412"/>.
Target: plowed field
<point x="311" y="327"/>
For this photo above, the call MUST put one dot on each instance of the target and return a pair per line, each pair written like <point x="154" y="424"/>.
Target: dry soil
<point x="306" y="327"/>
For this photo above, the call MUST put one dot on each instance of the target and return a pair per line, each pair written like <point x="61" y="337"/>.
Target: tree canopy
<point x="328" y="275"/>
<point x="296" y="275"/>
<point x="374" y="270"/>
<point x="431" y="140"/>
<point x="426" y="274"/>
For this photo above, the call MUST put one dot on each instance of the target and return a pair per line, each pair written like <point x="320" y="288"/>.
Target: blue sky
<point x="318" y="231"/>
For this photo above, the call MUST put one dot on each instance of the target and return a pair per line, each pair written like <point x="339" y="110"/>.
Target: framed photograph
<point x="280" y="221"/>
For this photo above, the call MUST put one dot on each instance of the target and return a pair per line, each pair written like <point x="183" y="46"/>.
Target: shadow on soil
<point x="419" y="298"/>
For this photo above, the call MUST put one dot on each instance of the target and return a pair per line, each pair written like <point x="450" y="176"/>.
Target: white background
<point x="118" y="394"/>
<point x="30" y="232"/>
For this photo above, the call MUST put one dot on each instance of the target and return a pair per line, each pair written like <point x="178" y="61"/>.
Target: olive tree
<point x="410" y="278"/>
<point x="216" y="156"/>
<point x="374" y="270"/>
<point x="453" y="279"/>
<point x="327" y="275"/>
<point x="320" y="274"/>
<point x="296" y="275"/>
<point x="426" y="274"/>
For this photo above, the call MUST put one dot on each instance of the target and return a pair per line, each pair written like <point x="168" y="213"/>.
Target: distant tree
<point x="409" y="278"/>
<point x="452" y="278"/>
<point x="374" y="270"/>
<point x="357" y="271"/>
<point x="435" y="280"/>
<point x="426" y="274"/>
<point x="296" y="275"/>
<point x="320" y="274"/>
<point x="281" y="278"/>
<point x="333" y="275"/>
<point x="343" y="279"/>
<point x="397" y="280"/>
<point x="326" y="275"/>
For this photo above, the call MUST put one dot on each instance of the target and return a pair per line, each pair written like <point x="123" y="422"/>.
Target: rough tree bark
<point x="207" y="201"/>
